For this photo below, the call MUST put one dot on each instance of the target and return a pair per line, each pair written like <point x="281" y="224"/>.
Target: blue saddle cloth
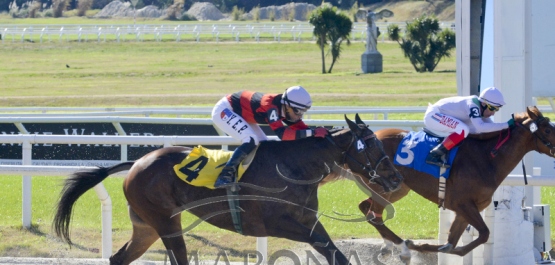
<point x="415" y="147"/>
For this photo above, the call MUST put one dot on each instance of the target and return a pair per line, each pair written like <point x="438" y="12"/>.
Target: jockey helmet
<point x="492" y="96"/>
<point x="296" y="97"/>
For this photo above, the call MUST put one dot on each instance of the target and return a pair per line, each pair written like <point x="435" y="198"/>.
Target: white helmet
<point x="492" y="96"/>
<point x="297" y="97"/>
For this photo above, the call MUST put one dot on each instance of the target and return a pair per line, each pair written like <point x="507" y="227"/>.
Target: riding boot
<point x="438" y="156"/>
<point x="229" y="171"/>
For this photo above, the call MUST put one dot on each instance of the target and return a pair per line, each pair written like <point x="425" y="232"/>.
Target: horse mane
<point x="519" y="117"/>
<point x="338" y="130"/>
<point x="336" y="174"/>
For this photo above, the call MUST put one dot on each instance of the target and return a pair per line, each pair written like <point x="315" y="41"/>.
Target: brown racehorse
<point x="474" y="177"/>
<point x="156" y="195"/>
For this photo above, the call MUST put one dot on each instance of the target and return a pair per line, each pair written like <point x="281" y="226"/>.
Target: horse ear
<point x="358" y="120"/>
<point x="533" y="112"/>
<point x="353" y="126"/>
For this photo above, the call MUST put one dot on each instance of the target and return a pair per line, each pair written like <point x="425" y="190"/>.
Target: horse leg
<point x="373" y="212"/>
<point x="175" y="244"/>
<point x="472" y="215"/>
<point x="317" y="237"/>
<point x="455" y="233"/>
<point x="142" y="238"/>
<point x="457" y="228"/>
<point x="325" y="246"/>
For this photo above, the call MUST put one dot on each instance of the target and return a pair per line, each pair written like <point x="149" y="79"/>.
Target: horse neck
<point x="317" y="153"/>
<point x="511" y="153"/>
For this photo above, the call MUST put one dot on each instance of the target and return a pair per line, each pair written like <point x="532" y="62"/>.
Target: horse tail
<point x="76" y="185"/>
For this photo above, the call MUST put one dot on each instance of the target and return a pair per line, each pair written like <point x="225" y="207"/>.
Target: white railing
<point x="378" y="112"/>
<point x="129" y="111"/>
<point x="286" y="31"/>
<point x="27" y="170"/>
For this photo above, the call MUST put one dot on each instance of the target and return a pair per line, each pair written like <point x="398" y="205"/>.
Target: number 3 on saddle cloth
<point x="202" y="166"/>
<point x="415" y="147"/>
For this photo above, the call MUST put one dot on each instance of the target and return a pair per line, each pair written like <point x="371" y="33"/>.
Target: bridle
<point x="534" y="130"/>
<point x="361" y="146"/>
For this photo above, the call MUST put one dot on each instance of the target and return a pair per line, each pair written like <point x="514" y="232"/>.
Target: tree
<point x="330" y="26"/>
<point x="424" y="42"/>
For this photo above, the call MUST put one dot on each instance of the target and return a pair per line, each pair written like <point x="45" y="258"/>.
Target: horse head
<point x="543" y="131"/>
<point x="368" y="158"/>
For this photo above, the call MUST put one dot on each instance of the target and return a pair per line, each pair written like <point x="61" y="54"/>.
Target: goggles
<point x="492" y="108"/>
<point x="298" y="111"/>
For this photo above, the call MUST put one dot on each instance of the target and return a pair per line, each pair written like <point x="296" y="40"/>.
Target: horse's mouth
<point x="392" y="183"/>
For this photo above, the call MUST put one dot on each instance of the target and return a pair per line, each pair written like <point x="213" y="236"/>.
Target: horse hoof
<point x="385" y="253"/>
<point x="405" y="259"/>
<point x="445" y="248"/>
<point x="409" y="243"/>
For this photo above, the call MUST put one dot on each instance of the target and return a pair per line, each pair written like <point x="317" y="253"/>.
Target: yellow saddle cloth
<point x="202" y="166"/>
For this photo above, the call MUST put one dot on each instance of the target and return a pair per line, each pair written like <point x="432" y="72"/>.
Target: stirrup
<point x="440" y="163"/>
<point x="224" y="179"/>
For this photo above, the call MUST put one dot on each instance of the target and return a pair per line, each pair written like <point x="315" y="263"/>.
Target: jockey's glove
<point x="320" y="132"/>
<point x="511" y="123"/>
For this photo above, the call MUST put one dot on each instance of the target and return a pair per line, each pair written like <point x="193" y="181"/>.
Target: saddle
<point x="414" y="148"/>
<point x="202" y="166"/>
<point x="412" y="152"/>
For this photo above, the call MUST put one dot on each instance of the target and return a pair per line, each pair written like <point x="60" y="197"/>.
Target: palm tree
<point x="330" y="26"/>
<point x="424" y="42"/>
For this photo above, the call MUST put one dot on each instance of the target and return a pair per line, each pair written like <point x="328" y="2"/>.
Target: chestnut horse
<point x="295" y="169"/>
<point x="474" y="177"/>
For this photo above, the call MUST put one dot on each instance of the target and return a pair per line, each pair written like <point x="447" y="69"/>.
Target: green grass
<point x="339" y="197"/>
<point x="198" y="74"/>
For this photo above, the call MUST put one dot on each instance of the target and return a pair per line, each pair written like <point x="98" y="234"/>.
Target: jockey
<point x="239" y="114"/>
<point x="455" y="117"/>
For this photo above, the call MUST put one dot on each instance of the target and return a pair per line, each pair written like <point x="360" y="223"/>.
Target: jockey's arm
<point x="485" y="125"/>
<point x="294" y="131"/>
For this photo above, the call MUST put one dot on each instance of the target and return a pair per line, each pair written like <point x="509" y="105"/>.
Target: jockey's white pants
<point x="443" y="125"/>
<point x="234" y="125"/>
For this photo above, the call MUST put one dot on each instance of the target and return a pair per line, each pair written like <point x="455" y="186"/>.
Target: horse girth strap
<point x="441" y="191"/>
<point x="234" y="208"/>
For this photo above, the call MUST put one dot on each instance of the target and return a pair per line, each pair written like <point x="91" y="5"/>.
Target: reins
<point x="533" y="129"/>
<point x="500" y="141"/>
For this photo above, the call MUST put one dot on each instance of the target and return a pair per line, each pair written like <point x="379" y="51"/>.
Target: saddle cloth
<point x="414" y="148"/>
<point x="202" y="166"/>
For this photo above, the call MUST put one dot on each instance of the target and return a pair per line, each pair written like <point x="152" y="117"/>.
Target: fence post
<point x="26" y="185"/>
<point x="106" y="209"/>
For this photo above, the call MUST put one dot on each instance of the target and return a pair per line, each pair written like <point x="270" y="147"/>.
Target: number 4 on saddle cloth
<point x="202" y="166"/>
<point x="415" y="147"/>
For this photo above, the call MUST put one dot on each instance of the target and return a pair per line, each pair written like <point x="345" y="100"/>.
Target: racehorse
<point x="474" y="177"/>
<point x="278" y="192"/>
